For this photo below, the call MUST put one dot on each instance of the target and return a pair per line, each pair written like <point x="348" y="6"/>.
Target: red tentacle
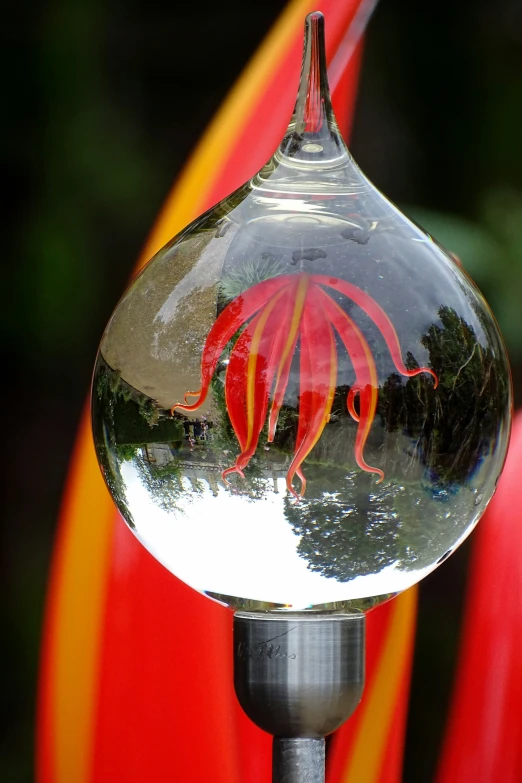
<point x="297" y="300"/>
<point x="235" y="387"/>
<point x="368" y="405"/>
<point x="277" y="313"/>
<point x="318" y="379"/>
<point x="240" y="310"/>
<point x="366" y="374"/>
<point x="354" y="391"/>
<point x="380" y="319"/>
<point x="250" y="376"/>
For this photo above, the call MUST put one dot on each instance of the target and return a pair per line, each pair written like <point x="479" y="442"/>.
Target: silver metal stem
<point x="298" y="760"/>
<point x="298" y="676"/>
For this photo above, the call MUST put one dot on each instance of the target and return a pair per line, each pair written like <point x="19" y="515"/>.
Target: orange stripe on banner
<point x="392" y="761"/>
<point x="370" y="743"/>
<point x="74" y="613"/>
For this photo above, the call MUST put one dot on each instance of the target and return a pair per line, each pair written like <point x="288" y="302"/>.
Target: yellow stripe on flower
<point x="370" y="364"/>
<point x="329" y="398"/>
<point x="252" y="365"/>
<point x="300" y="299"/>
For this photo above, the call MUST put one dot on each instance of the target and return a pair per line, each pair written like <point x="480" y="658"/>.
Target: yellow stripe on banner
<point x="186" y="200"/>
<point x="369" y="747"/>
<point x="79" y="602"/>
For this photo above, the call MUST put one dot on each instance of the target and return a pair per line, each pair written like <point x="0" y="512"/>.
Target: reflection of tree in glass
<point x="239" y="278"/>
<point x="126" y="422"/>
<point x="349" y="528"/>
<point x="430" y="523"/>
<point x="109" y="384"/>
<point x="346" y="529"/>
<point x="126" y="451"/>
<point x="451" y="429"/>
<point x="256" y="484"/>
<point x="107" y="448"/>
<point x="164" y="483"/>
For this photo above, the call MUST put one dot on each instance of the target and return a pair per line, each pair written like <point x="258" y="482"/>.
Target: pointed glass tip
<point x="313" y="134"/>
<point x="313" y="100"/>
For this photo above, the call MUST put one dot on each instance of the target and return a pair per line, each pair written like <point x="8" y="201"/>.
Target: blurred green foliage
<point x="105" y="102"/>
<point x="491" y="250"/>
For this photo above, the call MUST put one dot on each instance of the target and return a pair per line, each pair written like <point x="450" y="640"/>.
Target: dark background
<point x="104" y="102"/>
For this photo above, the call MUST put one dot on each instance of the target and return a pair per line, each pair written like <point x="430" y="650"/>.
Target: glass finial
<point x="302" y="401"/>
<point x="313" y="134"/>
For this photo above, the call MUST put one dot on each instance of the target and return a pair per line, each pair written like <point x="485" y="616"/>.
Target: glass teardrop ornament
<point x="302" y="400"/>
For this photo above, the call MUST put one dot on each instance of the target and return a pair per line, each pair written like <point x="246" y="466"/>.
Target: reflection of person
<point x="195" y="430"/>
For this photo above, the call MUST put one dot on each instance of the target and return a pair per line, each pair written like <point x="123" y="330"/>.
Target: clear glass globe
<point x="302" y="400"/>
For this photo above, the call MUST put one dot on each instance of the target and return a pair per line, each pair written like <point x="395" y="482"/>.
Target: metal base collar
<point x="298" y="674"/>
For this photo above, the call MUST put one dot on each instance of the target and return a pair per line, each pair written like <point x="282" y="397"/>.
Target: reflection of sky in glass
<point x="227" y="545"/>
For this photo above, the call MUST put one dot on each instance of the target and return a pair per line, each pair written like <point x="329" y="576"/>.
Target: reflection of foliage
<point x="110" y="467"/>
<point x="252" y="487"/>
<point x="345" y="531"/>
<point x="452" y="428"/>
<point x="123" y="434"/>
<point x="164" y="483"/>
<point x="432" y="519"/>
<point x="149" y="411"/>
<point x="136" y="418"/>
<point x="131" y="427"/>
<point x="106" y="447"/>
<point x="255" y="485"/>
<point x="126" y="451"/>
<point x="223" y="435"/>
<point x="109" y="381"/>
<point x="239" y="278"/>
<point x="351" y="527"/>
<point x="125" y="420"/>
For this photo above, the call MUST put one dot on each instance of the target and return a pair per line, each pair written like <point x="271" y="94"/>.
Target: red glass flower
<point x="275" y="314"/>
